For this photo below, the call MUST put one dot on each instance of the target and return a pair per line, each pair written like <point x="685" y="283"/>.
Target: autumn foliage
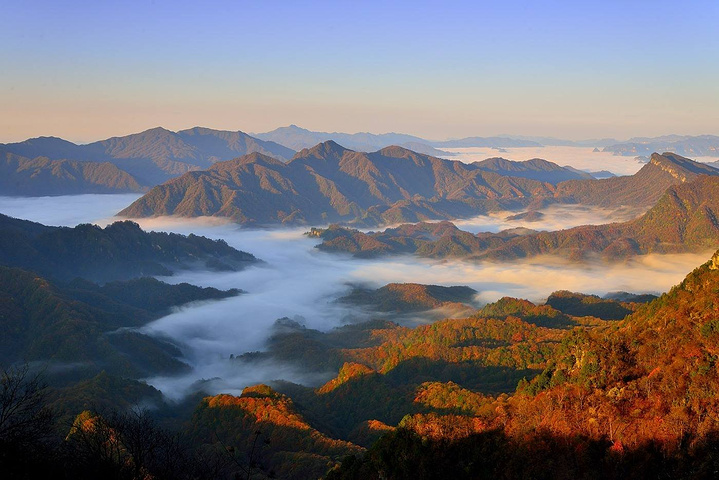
<point x="622" y="396"/>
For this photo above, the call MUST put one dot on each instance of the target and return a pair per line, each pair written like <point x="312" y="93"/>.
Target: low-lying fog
<point x="300" y="282"/>
<point x="581" y="158"/>
<point x="66" y="210"/>
<point x="554" y="217"/>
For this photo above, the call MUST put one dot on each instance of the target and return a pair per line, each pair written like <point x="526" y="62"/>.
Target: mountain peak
<point x="156" y="130"/>
<point x="679" y="167"/>
<point x="292" y="128"/>
<point x="48" y="141"/>
<point x="202" y="131"/>
<point x="326" y="150"/>
<point x="396" y="151"/>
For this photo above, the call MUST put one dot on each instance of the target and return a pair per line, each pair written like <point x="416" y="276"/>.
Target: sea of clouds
<point x="298" y="281"/>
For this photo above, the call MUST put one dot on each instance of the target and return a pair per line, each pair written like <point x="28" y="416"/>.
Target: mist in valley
<point x="302" y="283"/>
<point x="581" y="158"/>
<point x="66" y="210"/>
<point x="554" y="217"/>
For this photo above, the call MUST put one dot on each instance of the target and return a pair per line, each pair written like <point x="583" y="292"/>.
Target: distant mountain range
<point x="149" y="158"/>
<point x="560" y="142"/>
<point x="152" y="156"/>
<point x="298" y="138"/>
<point x="41" y="176"/>
<point x="695" y="146"/>
<point x="487" y="142"/>
<point x="684" y="220"/>
<point x="536" y="169"/>
<point x="329" y="183"/>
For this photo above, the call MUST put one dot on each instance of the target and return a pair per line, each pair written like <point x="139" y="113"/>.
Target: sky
<point x="572" y="69"/>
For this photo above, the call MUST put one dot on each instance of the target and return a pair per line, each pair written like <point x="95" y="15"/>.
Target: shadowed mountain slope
<point x="684" y="219"/>
<point x="642" y="189"/>
<point x="117" y="252"/>
<point x="90" y="328"/>
<point x="329" y="183"/>
<point x="41" y="176"/>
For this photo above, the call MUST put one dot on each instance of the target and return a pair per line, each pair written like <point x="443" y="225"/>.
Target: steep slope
<point x="641" y="190"/>
<point x="684" y="220"/>
<point x="290" y="447"/>
<point x="220" y="145"/>
<point x="155" y="155"/>
<point x="87" y="327"/>
<point x="380" y="365"/>
<point x="633" y="399"/>
<point x="42" y="176"/>
<point x="331" y="183"/>
<point x="119" y="251"/>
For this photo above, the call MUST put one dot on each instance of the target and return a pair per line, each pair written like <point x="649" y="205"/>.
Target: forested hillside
<point x="683" y="220"/>
<point x="119" y="251"/>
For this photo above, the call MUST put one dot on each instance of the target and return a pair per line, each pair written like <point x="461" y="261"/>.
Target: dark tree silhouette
<point x="26" y="423"/>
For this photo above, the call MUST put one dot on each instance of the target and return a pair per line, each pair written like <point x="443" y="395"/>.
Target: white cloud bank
<point x="297" y="280"/>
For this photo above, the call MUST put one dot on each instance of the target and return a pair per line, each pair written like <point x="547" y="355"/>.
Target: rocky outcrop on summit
<point x="641" y="190"/>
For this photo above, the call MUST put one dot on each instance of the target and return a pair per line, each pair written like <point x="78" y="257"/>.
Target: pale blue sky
<point x="88" y="70"/>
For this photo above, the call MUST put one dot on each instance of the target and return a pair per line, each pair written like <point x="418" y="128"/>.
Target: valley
<point x="244" y="328"/>
<point x="359" y="240"/>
